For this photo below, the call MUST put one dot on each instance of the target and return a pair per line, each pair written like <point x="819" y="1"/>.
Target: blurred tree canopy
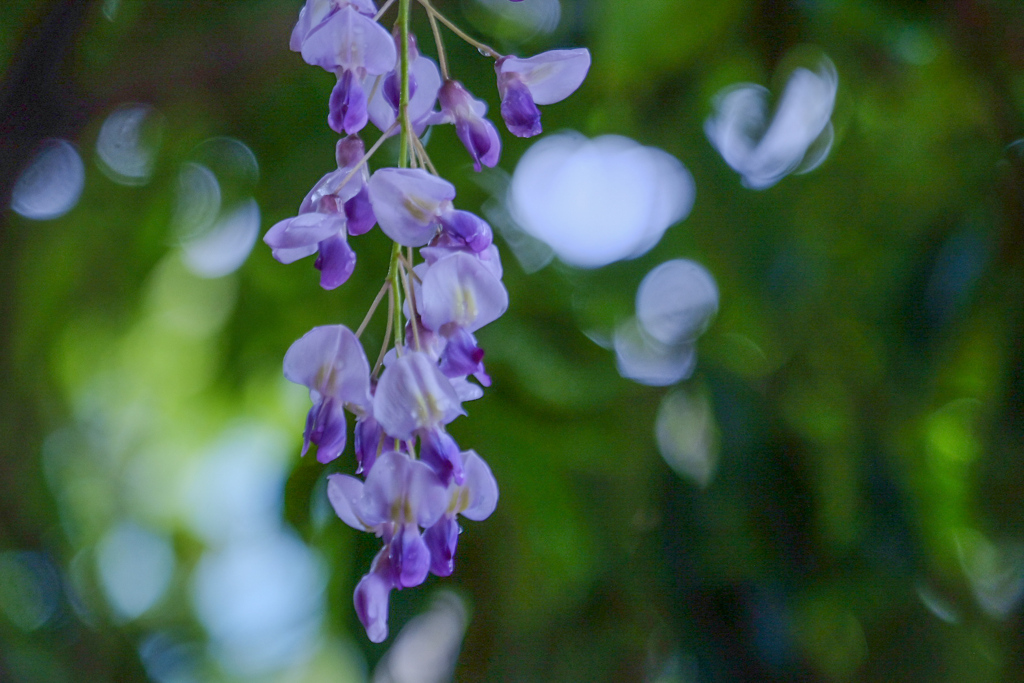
<point x="864" y="377"/>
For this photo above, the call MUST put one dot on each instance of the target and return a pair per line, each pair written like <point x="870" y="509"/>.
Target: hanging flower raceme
<point x="416" y="481"/>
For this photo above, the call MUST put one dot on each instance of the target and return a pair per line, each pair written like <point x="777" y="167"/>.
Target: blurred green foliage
<point x="865" y="373"/>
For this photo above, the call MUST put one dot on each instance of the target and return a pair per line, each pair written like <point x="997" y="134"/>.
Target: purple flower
<point x="460" y="292"/>
<point x="367" y="438"/>
<point x="316" y="12"/>
<point x="476" y="498"/>
<point x="424" y="82"/>
<point x="459" y="295"/>
<point x="371" y="598"/>
<point x="413" y="396"/>
<point x="467" y="229"/>
<point x="329" y="361"/>
<point x="408" y="203"/>
<point x="346" y="111"/>
<point x="400" y="496"/>
<point x="329" y="213"/>
<point x="477" y="133"/>
<point x="352" y="45"/>
<point x="350" y="41"/>
<point x="442" y="247"/>
<point x="542" y="79"/>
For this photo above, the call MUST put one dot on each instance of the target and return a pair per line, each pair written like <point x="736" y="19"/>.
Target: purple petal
<point x="292" y="255"/>
<point x="440" y="451"/>
<point x="412" y="394"/>
<point x="335" y="263"/>
<point x="461" y="356"/>
<point x="349" y="151"/>
<point x="296" y="235"/>
<point x="459" y="291"/>
<point x="482" y="488"/>
<point x="315" y="12"/>
<point x="326" y="427"/>
<point x="345" y="492"/>
<point x="480" y="138"/>
<point x="352" y="41"/>
<point x="329" y="194"/>
<point x="385" y="485"/>
<point x="407" y="203"/>
<point x="421" y="103"/>
<point x="393" y="88"/>
<point x="427" y="496"/>
<point x="442" y="540"/>
<point x="428" y="83"/>
<point x="469" y="228"/>
<point x="371" y="602"/>
<point x="410" y="557"/>
<point x="347" y="105"/>
<point x="466" y="390"/>
<point x="366" y="436"/>
<point x="519" y="110"/>
<point x="550" y="76"/>
<point x="302" y="27"/>
<point x="359" y="212"/>
<point x="477" y="134"/>
<point x="400" y="490"/>
<point x="330" y="361"/>
<point x="489" y="257"/>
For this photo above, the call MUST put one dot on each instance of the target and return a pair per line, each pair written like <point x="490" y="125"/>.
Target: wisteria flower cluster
<point x="415" y="479"/>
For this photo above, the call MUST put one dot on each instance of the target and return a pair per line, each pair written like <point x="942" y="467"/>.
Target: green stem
<point x="442" y="58"/>
<point x="403" y="104"/>
<point x="395" y="278"/>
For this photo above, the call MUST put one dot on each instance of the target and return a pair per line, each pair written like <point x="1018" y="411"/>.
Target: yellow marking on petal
<point x="427" y="409"/>
<point x="465" y="306"/>
<point x="326" y="379"/>
<point x="463" y="498"/>
<point x="421" y="210"/>
<point x="453" y="503"/>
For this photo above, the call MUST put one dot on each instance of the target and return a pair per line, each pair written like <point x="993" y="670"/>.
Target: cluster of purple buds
<point x="416" y="480"/>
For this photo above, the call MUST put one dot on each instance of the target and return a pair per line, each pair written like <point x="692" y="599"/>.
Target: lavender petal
<point x="347" y="105"/>
<point x="442" y="540"/>
<point x="371" y="603"/>
<point x="407" y="203"/>
<point x="550" y="76"/>
<point x="459" y="291"/>
<point x="412" y="394"/>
